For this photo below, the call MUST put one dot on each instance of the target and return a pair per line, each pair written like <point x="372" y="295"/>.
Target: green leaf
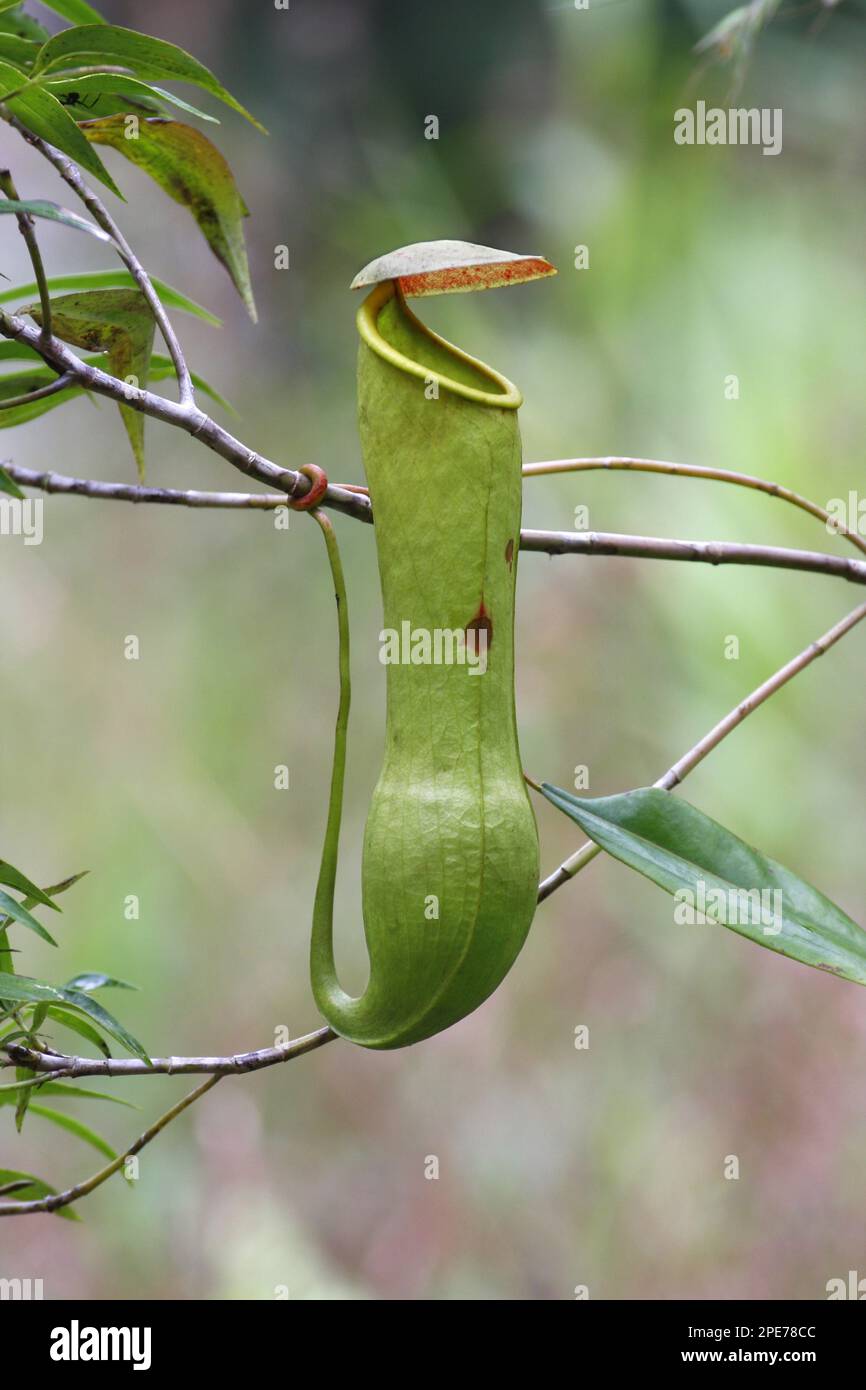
<point x="81" y="95"/>
<point x="71" y="1020"/>
<point x="690" y="855"/>
<point x="76" y="1127"/>
<point x="8" y="484"/>
<point x="106" y="1021"/>
<point x="20" y="53"/>
<point x="76" y="11"/>
<point x="102" y="280"/>
<point x="41" y="207"/>
<point x="108" y="44"/>
<point x="93" y="980"/>
<point x="191" y="170"/>
<point x="14" y="21"/>
<point x="119" y="323"/>
<point x="14" y="384"/>
<point x="18" y="912"/>
<point x="34" y="1189"/>
<point x="62" y="1091"/>
<point x="13" y="878"/>
<point x="29" y="991"/>
<point x="42" y="113"/>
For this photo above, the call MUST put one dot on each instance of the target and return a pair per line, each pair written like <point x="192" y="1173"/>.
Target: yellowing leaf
<point x="118" y="323"/>
<point x="191" y="170"/>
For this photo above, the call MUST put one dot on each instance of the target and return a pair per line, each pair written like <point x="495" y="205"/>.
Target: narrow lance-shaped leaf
<point x="102" y="94"/>
<point x="192" y="171"/>
<point x="111" y="45"/>
<point x="76" y="1127"/>
<point x="29" y="991"/>
<point x="42" y="113"/>
<point x="119" y="323"/>
<point x="720" y="876"/>
<point x="13" y="878"/>
<point x="10" y="907"/>
<point x="105" y="280"/>
<point x="42" y="207"/>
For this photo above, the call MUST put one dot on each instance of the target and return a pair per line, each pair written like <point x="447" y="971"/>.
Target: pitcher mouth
<point x="492" y="388"/>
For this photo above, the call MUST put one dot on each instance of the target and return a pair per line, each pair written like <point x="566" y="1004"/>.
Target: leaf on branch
<point x="192" y="171"/>
<point x="42" y="114"/>
<point x="100" y="94"/>
<point x="13" y="878"/>
<point x="67" y="1019"/>
<point x="41" y="207"/>
<point x="32" y="1189"/>
<point x="62" y="1090"/>
<point x="118" y="323"/>
<point x="109" y="44"/>
<point x="723" y="878"/>
<point x="17" y="912"/>
<point x="29" y="991"/>
<point x="107" y="279"/>
<point x="76" y="1127"/>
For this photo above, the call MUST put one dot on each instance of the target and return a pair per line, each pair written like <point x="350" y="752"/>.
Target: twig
<point x="56" y="1200"/>
<point x="64" y="1068"/>
<point x="709" y="552"/>
<point x="40" y="393"/>
<point x="689" y="761"/>
<point x="71" y="175"/>
<point x="28" y="231"/>
<point x="688" y="470"/>
<point x="546" y="542"/>
<point x="186" y="417"/>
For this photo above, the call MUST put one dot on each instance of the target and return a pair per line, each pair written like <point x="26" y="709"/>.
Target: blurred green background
<point x="558" y="1167"/>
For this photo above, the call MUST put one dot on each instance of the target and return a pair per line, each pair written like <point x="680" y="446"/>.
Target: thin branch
<point x="71" y="175"/>
<point x="186" y="417"/>
<point x="64" y="1068"/>
<point x="546" y="542"/>
<point x="40" y="393"/>
<point x="688" y="470"/>
<point x="28" y="231"/>
<point x="707" y="552"/>
<point x="56" y="1200"/>
<point x="689" y="761"/>
<point x="125" y="492"/>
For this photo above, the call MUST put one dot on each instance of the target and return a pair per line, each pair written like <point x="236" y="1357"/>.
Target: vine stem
<point x="690" y="760"/>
